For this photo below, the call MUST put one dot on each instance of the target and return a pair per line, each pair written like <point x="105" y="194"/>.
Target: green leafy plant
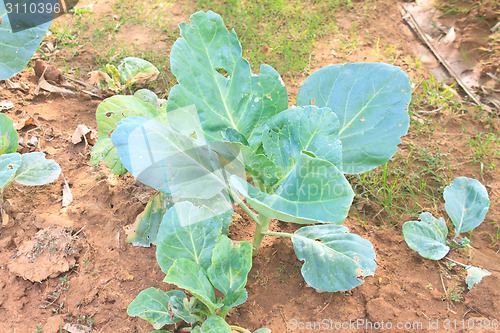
<point x="17" y="48"/>
<point x="223" y="125"/>
<point x="26" y="169"/>
<point x="466" y="202"/>
<point x="210" y="260"/>
<point x="130" y="71"/>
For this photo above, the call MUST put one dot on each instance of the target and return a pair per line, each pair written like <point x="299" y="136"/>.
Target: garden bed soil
<point x="109" y="273"/>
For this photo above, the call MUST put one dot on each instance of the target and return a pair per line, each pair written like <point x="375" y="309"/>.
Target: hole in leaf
<point x="308" y="153"/>
<point x="312" y="102"/>
<point x="222" y="72"/>
<point x="109" y="114"/>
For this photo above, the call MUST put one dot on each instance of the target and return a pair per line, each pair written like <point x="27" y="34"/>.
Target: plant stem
<point x="456" y="262"/>
<point x="241" y="329"/>
<point x="240" y="203"/>
<point x="277" y="234"/>
<point x="260" y="228"/>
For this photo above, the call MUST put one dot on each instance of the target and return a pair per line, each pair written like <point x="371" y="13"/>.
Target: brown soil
<point x="109" y="273"/>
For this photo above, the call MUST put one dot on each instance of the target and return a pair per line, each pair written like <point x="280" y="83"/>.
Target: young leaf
<point x="187" y="274"/>
<point x="147" y="96"/>
<point x="371" y="102"/>
<point x="9" y="163"/>
<point x="313" y="191"/>
<point x="17" y="48"/>
<point x="240" y="100"/>
<point x="466" y="202"/>
<point x="244" y="158"/>
<point x="229" y="269"/>
<point x="36" y="170"/>
<point x="189" y="310"/>
<point x="213" y="324"/>
<point x="8" y="135"/>
<point x="475" y="275"/>
<point x="152" y="305"/>
<point x="263" y="330"/>
<point x="108" y="114"/>
<point x="335" y="259"/>
<point x="427" y="236"/>
<point x="132" y="70"/>
<point x="166" y="160"/>
<point x="150" y="219"/>
<point x="189" y="232"/>
<point x="299" y="129"/>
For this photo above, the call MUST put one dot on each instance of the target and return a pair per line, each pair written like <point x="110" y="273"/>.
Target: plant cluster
<point x="466" y="202"/>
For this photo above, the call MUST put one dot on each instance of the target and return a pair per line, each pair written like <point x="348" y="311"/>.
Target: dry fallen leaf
<point x="33" y="141"/>
<point x="4" y="105"/>
<point x="25" y="122"/>
<point x="14" y="85"/>
<point x="83" y="132"/>
<point x="67" y="195"/>
<point x="43" y="84"/>
<point x="76" y="328"/>
<point x="51" y="150"/>
<point x="95" y="78"/>
<point x="449" y="38"/>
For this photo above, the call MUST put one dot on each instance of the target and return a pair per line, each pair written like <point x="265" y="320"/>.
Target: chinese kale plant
<point x="223" y="125"/>
<point x="26" y="169"/>
<point x="466" y="202"/>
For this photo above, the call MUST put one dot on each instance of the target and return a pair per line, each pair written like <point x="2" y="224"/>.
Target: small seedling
<point x="25" y="169"/>
<point x="466" y="202"/>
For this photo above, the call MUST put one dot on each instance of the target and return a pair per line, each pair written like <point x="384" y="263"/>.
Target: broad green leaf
<point x="229" y="269"/>
<point x="132" y="70"/>
<point x="371" y="102"/>
<point x="263" y="330"/>
<point x="241" y="100"/>
<point x="108" y="114"/>
<point x="335" y="259"/>
<point x="475" y="275"/>
<point x="149" y="221"/>
<point x="187" y="274"/>
<point x="152" y="305"/>
<point x="427" y="236"/>
<point x="310" y="129"/>
<point x="36" y="170"/>
<point x="213" y="324"/>
<point x="190" y="232"/>
<point x="17" y="48"/>
<point x="189" y="310"/>
<point x="166" y="160"/>
<point x="466" y="202"/>
<point x="8" y="135"/>
<point x="9" y="163"/>
<point x="314" y="191"/>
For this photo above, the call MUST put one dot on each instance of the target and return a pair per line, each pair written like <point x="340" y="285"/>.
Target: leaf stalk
<point x="260" y="229"/>
<point x="277" y="234"/>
